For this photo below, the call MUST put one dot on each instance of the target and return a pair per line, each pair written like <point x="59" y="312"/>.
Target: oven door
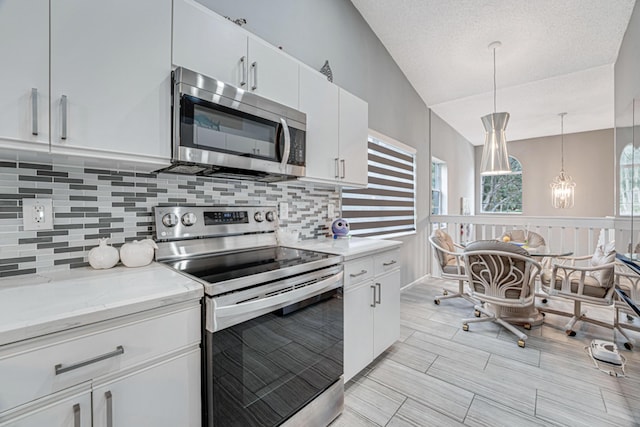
<point x="272" y="349"/>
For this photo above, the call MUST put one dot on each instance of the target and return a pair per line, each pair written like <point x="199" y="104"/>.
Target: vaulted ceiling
<point x="556" y="56"/>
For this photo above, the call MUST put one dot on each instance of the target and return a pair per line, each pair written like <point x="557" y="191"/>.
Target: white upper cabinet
<point x="207" y="43"/>
<point x="354" y="129"/>
<point x="337" y="131"/>
<point x="319" y="100"/>
<point x="110" y="78"/>
<point x="24" y="82"/>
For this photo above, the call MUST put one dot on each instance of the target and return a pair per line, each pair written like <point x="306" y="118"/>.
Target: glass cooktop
<point x="228" y="266"/>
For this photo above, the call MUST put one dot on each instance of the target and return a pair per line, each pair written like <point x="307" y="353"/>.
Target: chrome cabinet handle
<point x="373" y="304"/>
<point x="358" y="274"/>
<point x="254" y="66"/>
<point x="34" y="111"/>
<point x="109" y="398"/>
<point x="62" y="369"/>
<point x="337" y="168"/>
<point x="379" y="299"/>
<point x="63" y="106"/>
<point x="386" y="264"/>
<point x="244" y="71"/>
<point x="344" y="168"/>
<point x="287" y="144"/>
<point x="76" y="415"/>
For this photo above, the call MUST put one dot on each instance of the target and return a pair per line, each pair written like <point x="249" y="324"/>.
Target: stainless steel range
<point x="273" y="316"/>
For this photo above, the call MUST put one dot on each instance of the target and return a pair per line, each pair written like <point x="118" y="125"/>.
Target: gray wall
<point x="588" y="158"/>
<point x="313" y="31"/>
<point x="627" y="92"/>
<point x="452" y="148"/>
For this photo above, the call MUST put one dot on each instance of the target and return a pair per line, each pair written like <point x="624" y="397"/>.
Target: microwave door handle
<point x="287" y="144"/>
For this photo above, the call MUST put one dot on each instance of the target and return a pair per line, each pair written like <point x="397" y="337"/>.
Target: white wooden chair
<point x="451" y="264"/>
<point x="584" y="279"/>
<point x="502" y="276"/>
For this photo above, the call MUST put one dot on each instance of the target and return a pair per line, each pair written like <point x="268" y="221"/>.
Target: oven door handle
<point x="221" y="317"/>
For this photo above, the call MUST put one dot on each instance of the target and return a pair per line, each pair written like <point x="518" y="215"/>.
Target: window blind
<point x="387" y="206"/>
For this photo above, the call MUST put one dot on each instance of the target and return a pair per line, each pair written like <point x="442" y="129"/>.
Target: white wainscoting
<point x="579" y="235"/>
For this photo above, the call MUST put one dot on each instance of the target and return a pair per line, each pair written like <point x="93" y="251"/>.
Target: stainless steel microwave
<point x="223" y="131"/>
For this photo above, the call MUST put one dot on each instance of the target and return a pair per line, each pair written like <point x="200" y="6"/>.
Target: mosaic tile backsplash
<point x="90" y="204"/>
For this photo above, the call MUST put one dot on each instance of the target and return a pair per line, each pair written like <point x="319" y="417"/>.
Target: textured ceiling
<point x="556" y="56"/>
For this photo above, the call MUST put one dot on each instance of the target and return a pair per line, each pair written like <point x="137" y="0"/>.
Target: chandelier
<point x="495" y="160"/>
<point x="562" y="187"/>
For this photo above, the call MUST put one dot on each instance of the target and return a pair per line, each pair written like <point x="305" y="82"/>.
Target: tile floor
<point x="439" y="375"/>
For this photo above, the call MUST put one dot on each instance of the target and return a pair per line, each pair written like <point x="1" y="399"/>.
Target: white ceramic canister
<point x="103" y="256"/>
<point x="138" y="253"/>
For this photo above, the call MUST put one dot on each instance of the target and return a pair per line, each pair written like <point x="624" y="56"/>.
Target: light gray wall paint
<point x="314" y="31"/>
<point x="452" y="148"/>
<point x="588" y="158"/>
<point x="627" y="92"/>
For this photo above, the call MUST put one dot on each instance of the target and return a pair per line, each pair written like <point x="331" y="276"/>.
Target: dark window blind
<point x="387" y="206"/>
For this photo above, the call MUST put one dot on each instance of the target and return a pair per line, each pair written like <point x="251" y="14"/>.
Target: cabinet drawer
<point x="358" y="270"/>
<point x="386" y="261"/>
<point x="45" y="365"/>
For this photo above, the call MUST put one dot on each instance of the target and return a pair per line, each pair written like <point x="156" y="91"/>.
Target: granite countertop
<point x="350" y="248"/>
<point x="39" y="304"/>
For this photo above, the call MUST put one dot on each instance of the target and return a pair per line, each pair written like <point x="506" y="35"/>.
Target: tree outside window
<point x="630" y="181"/>
<point x="503" y="193"/>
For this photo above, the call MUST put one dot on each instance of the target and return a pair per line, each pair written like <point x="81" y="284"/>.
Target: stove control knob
<point x="170" y="220"/>
<point x="189" y="219"/>
<point x="258" y="217"/>
<point x="271" y="216"/>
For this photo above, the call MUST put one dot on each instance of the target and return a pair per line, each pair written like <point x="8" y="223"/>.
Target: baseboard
<point x="418" y="280"/>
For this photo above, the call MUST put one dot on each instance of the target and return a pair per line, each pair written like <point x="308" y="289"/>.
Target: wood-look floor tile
<point x="459" y="353"/>
<point x="349" y="418"/>
<point x="511" y="391"/>
<point x="497" y="346"/>
<point x="489" y="413"/>
<point x="373" y="401"/>
<point x="619" y="404"/>
<point x="550" y="408"/>
<point x="439" y="395"/>
<point x="405" y="332"/>
<point x="410" y="356"/>
<point x="413" y="413"/>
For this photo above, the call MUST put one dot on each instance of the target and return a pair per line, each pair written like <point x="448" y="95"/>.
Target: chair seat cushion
<point x="452" y="268"/>
<point x="592" y="286"/>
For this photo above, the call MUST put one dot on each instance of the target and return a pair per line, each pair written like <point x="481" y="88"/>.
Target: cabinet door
<point x="272" y="74"/>
<point x="319" y="100"/>
<point x="207" y="43"/>
<point x="386" y="319"/>
<point x="354" y="129"/>
<point x="54" y="411"/>
<point x="358" y="330"/>
<point x="167" y="394"/>
<point x="112" y="62"/>
<point x="24" y="31"/>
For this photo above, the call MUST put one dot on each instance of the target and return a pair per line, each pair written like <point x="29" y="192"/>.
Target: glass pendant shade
<point x="495" y="159"/>
<point x="562" y="191"/>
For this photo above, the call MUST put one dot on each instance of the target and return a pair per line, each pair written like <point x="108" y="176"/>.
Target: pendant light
<point x="562" y="187"/>
<point x="495" y="160"/>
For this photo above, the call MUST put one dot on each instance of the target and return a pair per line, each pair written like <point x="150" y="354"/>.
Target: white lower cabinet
<point x="140" y="369"/>
<point x="371" y="309"/>
<point x="161" y="395"/>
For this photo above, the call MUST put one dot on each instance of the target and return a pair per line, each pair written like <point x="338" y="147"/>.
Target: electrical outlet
<point x="37" y="214"/>
<point x="284" y="210"/>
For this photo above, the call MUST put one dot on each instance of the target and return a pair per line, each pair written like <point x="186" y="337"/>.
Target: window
<point x="503" y="193"/>
<point x="629" y="180"/>
<point x="386" y="208"/>
<point x="438" y="186"/>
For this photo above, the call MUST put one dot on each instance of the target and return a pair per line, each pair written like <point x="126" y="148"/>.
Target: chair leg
<point x="628" y="344"/>
<point x="494" y="317"/>
<point x="460" y="294"/>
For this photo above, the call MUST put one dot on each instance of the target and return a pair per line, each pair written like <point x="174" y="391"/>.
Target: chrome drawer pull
<point x="254" y="65"/>
<point x="76" y="415"/>
<point x="379" y="299"/>
<point x="109" y="397"/>
<point x="63" y="106"/>
<point x="337" y="167"/>
<point x="244" y="72"/>
<point x="61" y="370"/>
<point x="374" y="296"/>
<point x="386" y="264"/>
<point x="358" y="274"/>
<point x="34" y="111"/>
